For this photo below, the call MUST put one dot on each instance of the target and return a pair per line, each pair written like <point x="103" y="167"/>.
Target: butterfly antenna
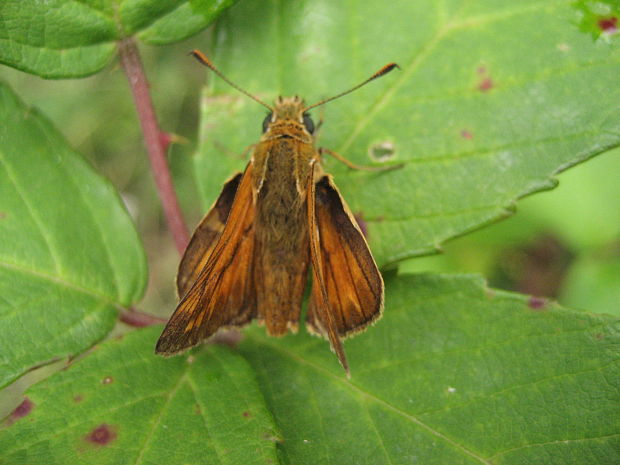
<point x="382" y="72"/>
<point x="202" y="58"/>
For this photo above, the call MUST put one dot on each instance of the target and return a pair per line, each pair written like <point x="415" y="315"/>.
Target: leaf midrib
<point x="168" y="396"/>
<point x="375" y="399"/>
<point x="65" y="283"/>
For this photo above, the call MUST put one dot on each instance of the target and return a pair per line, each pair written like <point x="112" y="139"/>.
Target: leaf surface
<point x="69" y="254"/>
<point x="123" y="404"/>
<point x="494" y="98"/>
<point x="454" y="373"/>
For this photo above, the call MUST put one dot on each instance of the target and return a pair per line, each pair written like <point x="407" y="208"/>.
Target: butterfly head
<point x="289" y="111"/>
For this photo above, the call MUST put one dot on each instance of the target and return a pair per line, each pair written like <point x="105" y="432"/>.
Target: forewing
<point x="222" y="294"/>
<point x="205" y="237"/>
<point x="353" y="284"/>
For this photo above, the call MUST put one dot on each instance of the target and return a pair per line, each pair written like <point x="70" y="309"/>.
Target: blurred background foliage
<point x="541" y="250"/>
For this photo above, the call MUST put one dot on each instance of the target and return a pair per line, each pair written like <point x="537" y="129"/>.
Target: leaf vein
<point x="203" y="408"/>
<point x="377" y="432"/>
<point x="558" y="441"/>
<point x="62" y="281"/>
<point x="379" y="401"/>
<point x="37" y="221"/>
<point x="534" y="383"/>
<point x="61" y="431"/>
<point x="157" y="421"/>
<point x="100" y="231"/>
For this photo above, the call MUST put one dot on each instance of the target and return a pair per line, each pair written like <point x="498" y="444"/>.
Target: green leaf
<point x="124" y="405"/>
<point x="188" y="19"/>
<point x="69" y="254"/>
<point x="454" y="373"/>
<point x="71" y="38"/>
<point x="493" y="100"/>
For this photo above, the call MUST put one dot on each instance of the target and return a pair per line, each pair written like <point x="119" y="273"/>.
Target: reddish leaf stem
<point x="153" y="137"/>
<point x="133" y="317"/>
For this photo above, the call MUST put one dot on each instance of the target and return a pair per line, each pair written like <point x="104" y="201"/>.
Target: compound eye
<point x="308" y="123"/>
<point x="266" y="122"/>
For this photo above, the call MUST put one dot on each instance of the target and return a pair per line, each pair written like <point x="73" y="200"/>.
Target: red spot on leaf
<point x="2" y="215"/>
<point x="107" y="380"/>
<point x="481" y="70"/>
<point x="537" y="303"/>
<point x="608" y="25"/>
<point x="77" y="399"/>
<point x="102" y="435"/>
<point x="485" y="85"/>
<point x="599" y="336"/>
<point x="359" y="217"/>
<point x="247" y="414"/>
<point x="21" y="410"/>
<point x="465" y="134"/>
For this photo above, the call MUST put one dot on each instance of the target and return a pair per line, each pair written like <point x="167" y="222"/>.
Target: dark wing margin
<point x="223" y="293"/>
<point x="347" y="292"/>
<point x="205" y="237"/>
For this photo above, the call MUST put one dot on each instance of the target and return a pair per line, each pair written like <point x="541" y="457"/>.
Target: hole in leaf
<point x="382" y="151"/>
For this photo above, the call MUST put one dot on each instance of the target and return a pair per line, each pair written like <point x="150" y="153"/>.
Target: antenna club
<point x="386" y="69"/>
<point x="201" y="57"/>
<point x="383" y="71"/>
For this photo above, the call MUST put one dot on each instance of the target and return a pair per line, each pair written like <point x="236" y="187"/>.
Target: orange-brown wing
<point x="223" y="294"/>
<point x="205" y="237"/>
<point x="347" y="293"/>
